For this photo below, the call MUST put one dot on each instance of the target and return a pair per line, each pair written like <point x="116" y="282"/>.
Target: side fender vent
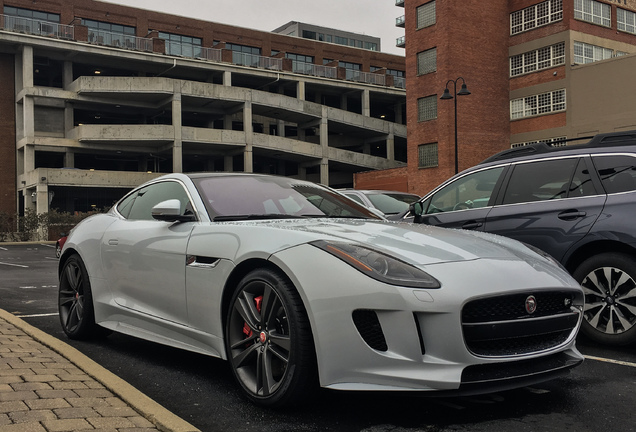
<point x="368" y="325"/>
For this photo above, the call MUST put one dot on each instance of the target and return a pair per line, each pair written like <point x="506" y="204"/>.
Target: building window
<point x="342" y="40"/>
<point x="427" y="61"/>
<point x="536" y="16"/>
<point x="181" y="45"/>
<point x="426" y="15"/>
<point x="427" y="108"/>
<point x="109" y="27"/>
<point x="620" y="53"/>
<point x="544" y="103"/>
<point x="626" y="20"/>
<point x="541" y="58"/>
<point x="244" y="55"/>
<point x="371" y="46"/>
<point x="554" y="142"/>
<point x="307" y="34"/>
<point x="427" y="155"/>
<point x="31" y="14"/>
<point x="593" y="11"/>
<point x="586" y="53"/>
<point x="397" y="73"/>
<point x="301" y="63"/>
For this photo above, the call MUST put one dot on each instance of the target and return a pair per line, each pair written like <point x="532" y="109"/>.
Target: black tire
<point x="609" y="284"/>
<point x="75" y="301"/>
<point x="269" y="341"/>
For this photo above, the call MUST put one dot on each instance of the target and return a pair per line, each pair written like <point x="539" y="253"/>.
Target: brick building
<point x="97" y="98"/>
<point x="536" y="70"/>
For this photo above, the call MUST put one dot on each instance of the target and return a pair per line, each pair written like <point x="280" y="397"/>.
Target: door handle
<point x="113" y="242"/>
<point x="571" y="215"/>
<point x="472" y="225"/>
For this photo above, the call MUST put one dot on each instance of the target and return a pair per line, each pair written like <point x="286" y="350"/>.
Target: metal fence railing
<point x="314" y="70"/>
<point x="36" y="27"/>
<point x="365" y="77"/>
<point x="211" y="54"/>
<point x="399" y="82"/>
<point x="119" y="40"/>
<point x="253" y="60"/>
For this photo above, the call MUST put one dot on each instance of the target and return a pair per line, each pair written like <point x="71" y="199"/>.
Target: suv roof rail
<point x="599" y="140"/>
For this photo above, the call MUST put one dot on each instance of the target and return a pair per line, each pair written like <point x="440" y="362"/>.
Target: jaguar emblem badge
<point x="531" y="304"/>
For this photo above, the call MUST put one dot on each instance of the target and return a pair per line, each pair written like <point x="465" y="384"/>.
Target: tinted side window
<point x="581" y="182"/>
<point x="356" y="198"/>
<point x="618" y="173"/>
<point x="539" y="181"/>
<point x="470" y="191"/>
<point x="126" y="204"/>
<point x="153" y="194"/>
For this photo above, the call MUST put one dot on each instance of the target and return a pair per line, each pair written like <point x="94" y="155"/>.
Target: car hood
<point x="414" y="243"/>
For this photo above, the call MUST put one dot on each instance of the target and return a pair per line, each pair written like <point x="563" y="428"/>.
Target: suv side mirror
<point x="416" y="208"/>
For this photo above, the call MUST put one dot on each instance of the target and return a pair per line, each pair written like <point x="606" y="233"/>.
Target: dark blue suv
<point x="575" y="202"/>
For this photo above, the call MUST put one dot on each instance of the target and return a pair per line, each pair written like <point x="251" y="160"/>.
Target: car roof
<point x="595" y="144"/>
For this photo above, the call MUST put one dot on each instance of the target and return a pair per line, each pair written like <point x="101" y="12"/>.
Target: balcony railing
<point x="253" y="60"/>
<point x="400" y="42"/>
<point x="399" y="21"/>
<point x="399" y="82"/>
<point x="36" y="27"/>
<point x="314" y="70"/>
<point x="365" y="77"/>
<point x="119" y="40"/>
<point x="211" y="54"/>
<point x="399" y="3"/>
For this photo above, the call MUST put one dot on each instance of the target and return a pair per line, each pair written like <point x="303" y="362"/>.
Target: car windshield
<point x="238" y="197"/>
<point x="392" y="203"/>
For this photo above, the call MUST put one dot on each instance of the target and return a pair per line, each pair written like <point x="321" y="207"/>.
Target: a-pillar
<point x="248" y="162"/>
<point x="177" y="147"/>
<point x="324" y="143"/>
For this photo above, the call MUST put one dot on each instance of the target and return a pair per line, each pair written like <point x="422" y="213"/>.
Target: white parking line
<point x="622" y="363"/>
<point x="14" y="265"/>
<point x="3" y="248"/>
<point x="37" y="315"/>
<point x="48" y="245"/>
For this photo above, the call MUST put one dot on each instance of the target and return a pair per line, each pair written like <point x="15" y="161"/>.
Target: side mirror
<point x="416" y="208"/>
<point x="170" y="211"/>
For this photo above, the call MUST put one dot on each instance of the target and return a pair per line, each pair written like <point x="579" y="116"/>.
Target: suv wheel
<point x="609" y="285"/>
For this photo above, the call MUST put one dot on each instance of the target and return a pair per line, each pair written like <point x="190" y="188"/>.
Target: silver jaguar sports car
<point x="298" y="286"/>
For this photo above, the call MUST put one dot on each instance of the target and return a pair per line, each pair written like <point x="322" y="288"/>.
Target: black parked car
<point x="575" y="202"/>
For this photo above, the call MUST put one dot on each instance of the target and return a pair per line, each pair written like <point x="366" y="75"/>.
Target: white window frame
<point x="594" y="12"/>
<point x="539" y="59"/>
<point x="541" y="104"/>
<point x="587" y="53"/>
<point x="535" y="16"/>
<point x="626" y="20"/>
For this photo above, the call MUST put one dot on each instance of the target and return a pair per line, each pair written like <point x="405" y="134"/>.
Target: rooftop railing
<point x="314" y="70"/>
<point x="36" y="27"/>
<point x="257" y="61"/>
<point x="119" y="40"/>
<point x="211" y="54"/>
<point x="366" y="77"/>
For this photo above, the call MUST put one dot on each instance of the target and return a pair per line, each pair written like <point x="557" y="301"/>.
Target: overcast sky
<point x="370" y="17"/>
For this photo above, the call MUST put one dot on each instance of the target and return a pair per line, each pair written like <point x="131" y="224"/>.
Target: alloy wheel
<point x="71" y="296"/>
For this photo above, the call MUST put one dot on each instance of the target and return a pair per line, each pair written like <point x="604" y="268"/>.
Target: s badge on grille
<point x="531" y="304"/>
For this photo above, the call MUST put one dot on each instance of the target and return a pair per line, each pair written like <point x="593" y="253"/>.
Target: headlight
<point x="378" y="265"/>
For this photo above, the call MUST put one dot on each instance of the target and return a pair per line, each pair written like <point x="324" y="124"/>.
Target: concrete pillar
<point x="177" y="147"/>
<point x="302" y="173"/>
<point x="343" y="102"/>
<point x="227" y="122"/>
<point x="42" y="200"/>
<point x="324" y="143"/>
<point x="366" y="103"/>
<point x="366" y="148"/>
<point x="300" y="90"/>
<point x="248" y="162"/>
<point x="227" y="78"/>
<point x="280" y="128"/>
<point x="228" y="163"/>
<point x="280" y="170"/>
<point x="142" y="164"/>
<point x="69" y="159"/>
<point x="27" y="66"/>
<point x="398" y="113"/>
<point x="67" y="74"/>
<point x="390" y="146"/>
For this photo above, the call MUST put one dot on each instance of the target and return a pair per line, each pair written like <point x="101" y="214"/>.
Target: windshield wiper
<point x="225" y="218"/>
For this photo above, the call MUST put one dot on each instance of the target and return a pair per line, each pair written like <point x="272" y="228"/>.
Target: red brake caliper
<point x="246" y="329"/>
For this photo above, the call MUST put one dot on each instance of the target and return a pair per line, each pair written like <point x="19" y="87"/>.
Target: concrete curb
<point x="163" y="419"/>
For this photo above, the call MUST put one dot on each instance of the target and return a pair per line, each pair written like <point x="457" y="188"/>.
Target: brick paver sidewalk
<point x="43" y="391"/>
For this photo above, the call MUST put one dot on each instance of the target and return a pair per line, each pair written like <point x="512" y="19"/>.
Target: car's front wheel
<point x="75" y="301"/>
<point x="269" y="341"/>
<point x="609" y="284"/>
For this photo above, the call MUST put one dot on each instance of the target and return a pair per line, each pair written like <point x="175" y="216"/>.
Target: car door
<point x="144" y="259"/>
<point x="550" y="204"/>
<point x="463" y="202"/>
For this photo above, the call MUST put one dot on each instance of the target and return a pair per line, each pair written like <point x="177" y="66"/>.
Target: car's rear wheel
<point x="58" y="250"/>
<point x="75" y="301"/>
<point x="609" y="284"/>
<point x="269" y="341"/>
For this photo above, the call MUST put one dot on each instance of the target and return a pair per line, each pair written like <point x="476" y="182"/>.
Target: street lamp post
<point x="462" y="92"/>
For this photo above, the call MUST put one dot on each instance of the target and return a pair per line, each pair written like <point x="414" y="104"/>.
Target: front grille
<point x="501" y="326"/>
<point x="369" y="327"/>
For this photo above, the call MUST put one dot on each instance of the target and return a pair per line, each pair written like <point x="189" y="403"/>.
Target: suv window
<point x="617" y="172"/>
<point x="539" y="181"/>
<point x="471" y="191"/>
<point x="153" y="194"/>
